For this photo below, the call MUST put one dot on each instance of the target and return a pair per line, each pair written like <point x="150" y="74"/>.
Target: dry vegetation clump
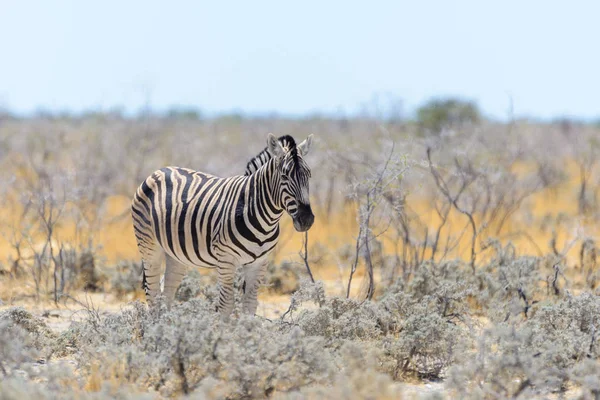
<point x="191" y="350"/>
<point x="126" y="278"/>
<point x="412" y="335"/>
<point x="195" y="284"/>
<point x="16" y="347"/>
<point x="429" y="325"/>
<point x="313" y="349"/>
<point x="511" y="287"/>
<point x="283" y="278"/>
<point x="554" y="350"/>
<point x="25" y="346"/>
<point x="38" y="333"/>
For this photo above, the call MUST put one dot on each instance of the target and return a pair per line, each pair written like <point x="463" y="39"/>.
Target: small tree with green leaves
<point x="440" y="115"/>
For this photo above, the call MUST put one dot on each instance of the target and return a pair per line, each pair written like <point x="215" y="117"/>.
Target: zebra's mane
<point x="286" y="141"/>
<point x="289" y="144"/>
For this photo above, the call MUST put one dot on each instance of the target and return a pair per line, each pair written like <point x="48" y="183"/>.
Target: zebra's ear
<point x="304" y="147"/>
<point x="274" y="146"/>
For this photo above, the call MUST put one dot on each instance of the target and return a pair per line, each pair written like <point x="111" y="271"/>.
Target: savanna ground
<point x="450" y="260"/>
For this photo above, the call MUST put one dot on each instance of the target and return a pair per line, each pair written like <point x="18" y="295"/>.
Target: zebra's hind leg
<point x="152" y="260"/>
<point x="174" y="273"/>
<point x="253" y="276"/>
<point x="226" y="276"/>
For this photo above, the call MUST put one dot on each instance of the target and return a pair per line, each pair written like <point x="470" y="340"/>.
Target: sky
<point x="525" y="58"/>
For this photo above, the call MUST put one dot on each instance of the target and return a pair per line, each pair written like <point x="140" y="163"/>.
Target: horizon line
<point x="196" y="112"/>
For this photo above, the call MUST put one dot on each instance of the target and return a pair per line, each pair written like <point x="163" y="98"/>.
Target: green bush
<point x="439" y="115"/>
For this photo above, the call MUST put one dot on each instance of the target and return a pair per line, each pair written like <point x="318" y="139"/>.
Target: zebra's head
<point x="294" y="177"/>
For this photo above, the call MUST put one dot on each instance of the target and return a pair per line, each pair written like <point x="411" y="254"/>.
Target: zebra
<point x="190" y="218"/>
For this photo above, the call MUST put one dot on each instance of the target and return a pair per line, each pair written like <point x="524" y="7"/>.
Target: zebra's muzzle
<point x="304" y="218"/>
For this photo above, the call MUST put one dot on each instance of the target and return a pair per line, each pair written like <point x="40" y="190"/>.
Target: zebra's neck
<point x="267" y="189"/>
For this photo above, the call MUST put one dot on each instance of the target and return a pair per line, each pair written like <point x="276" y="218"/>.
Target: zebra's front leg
<point x="253" y="276"/>
<point x="226" y="276"/>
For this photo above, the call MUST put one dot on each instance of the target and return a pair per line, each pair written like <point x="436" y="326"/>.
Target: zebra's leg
<point x="226" y="276"/>
<point x="174" y="273"/>
<point x="253" y="276"/>
<point x="152" y="259"/>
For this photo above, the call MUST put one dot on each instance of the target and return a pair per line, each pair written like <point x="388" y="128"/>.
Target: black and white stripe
<point x="256" y="162"/>
<point x="190" y="218"/>
<point x="261" y="158"/>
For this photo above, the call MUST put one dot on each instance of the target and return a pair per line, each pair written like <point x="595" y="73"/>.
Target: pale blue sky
<point x="299" y="58"/>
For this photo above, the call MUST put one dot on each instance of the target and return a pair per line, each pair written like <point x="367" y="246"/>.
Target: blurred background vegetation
<point x="388" y="193"/>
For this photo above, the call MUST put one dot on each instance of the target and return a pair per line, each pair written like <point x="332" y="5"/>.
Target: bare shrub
<point x="588" y="263"/>
<point x="283" y="278"/>
<point x="126" y="278"/>
<point x="368" y="190"/>
<point x="79" y="269"/>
